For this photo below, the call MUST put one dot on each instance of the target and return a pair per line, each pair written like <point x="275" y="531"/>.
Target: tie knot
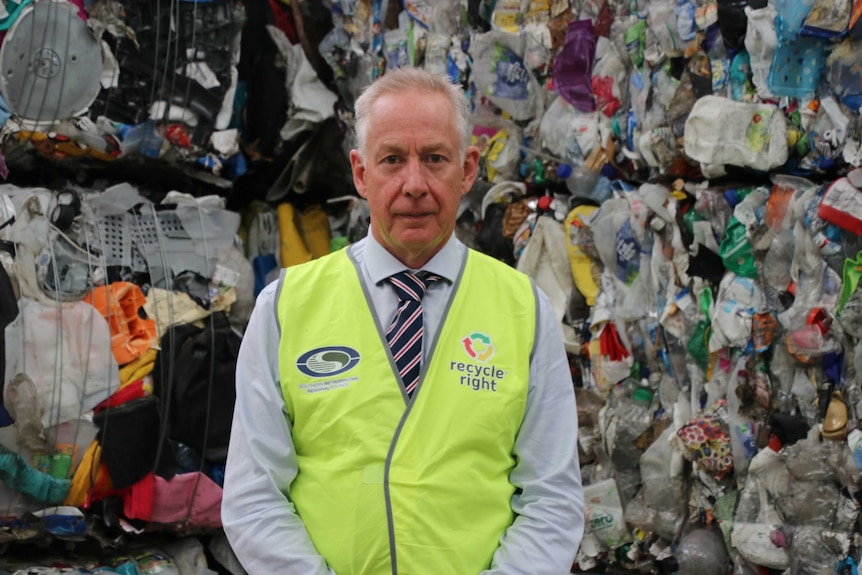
<point x="412" y="286"/>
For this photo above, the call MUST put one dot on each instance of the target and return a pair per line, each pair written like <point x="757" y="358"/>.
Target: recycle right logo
<point x="479" y="346"/>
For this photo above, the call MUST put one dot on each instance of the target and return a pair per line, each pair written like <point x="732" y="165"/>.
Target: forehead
<point x="414" y="107"/>
<point x="412" y="116"/>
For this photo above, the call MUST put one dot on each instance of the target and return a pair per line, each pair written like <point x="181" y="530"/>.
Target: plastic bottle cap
<point x="564" y="171"/>
<point x="642" y="394"/>
<point x="545" y="203"/>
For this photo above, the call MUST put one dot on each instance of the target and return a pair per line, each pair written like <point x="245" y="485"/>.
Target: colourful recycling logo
<point x="479" y="346"/>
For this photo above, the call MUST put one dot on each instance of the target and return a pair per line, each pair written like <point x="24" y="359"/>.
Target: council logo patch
<point x="327" y="361"/>
<point x="479" y="346"/>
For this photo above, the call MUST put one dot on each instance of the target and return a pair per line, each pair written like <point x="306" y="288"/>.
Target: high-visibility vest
<point x="390" y="486"/>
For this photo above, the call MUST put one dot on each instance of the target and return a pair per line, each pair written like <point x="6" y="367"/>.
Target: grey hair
<point x="404" y="80"/>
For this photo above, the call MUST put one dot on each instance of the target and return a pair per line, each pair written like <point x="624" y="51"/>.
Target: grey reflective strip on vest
<point x="536" y="319"/>
<point x="382" y="334"/>
<point x="380" y="331"/>
<point x="407" y="411"/>
<point x="426" y="362"/>
<point x="277" y="298"/>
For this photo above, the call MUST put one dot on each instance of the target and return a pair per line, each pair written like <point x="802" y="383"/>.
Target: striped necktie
<point x="405" y="334"/>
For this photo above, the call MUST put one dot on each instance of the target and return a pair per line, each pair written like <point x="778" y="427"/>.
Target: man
<point x="380" y="429"/>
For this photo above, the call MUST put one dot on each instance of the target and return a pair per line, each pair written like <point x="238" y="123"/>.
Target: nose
<point x="415" y="183"/>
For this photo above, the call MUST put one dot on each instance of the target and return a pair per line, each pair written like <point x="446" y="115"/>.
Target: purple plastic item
<point x="574" y="66"/>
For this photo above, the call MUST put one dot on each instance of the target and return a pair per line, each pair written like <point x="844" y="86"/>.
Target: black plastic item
<point x="474" y="17"/>
<point x="194" y="375"/>
<point x="577" y="309"/>
<point x="190" y="94"/>
<point x="267" y="104"/>
<point x="129" y="436"/>
<point x="195" y="286"/>
<point x="668" y="565"/>
<point x="490" y="237"/>
<point x="733" y="23"/>
<point x="788" y="428"/>
<point x="683" y="207"/>
<point x="824" y="395"/>
<point x="707" y="265"/>
<point x="786" y="298"/>
<point x="66" y="209"/>
<point x="8" y="313"/>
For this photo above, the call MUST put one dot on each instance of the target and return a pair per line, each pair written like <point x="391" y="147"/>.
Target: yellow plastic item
<point x="293" y="248"/>
<point x="579" y="261"/>
<point x="314" y="226"/>
<point x="85" y="476"/>
<point x="138" y="369"/>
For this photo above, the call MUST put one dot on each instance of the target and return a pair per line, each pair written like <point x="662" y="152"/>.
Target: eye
<point x="435" y="158"/>
<point x="390" y="159"/>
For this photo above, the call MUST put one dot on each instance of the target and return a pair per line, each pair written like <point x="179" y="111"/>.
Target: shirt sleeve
<point x="260" y="522"/>
<point x="549" y="500"/>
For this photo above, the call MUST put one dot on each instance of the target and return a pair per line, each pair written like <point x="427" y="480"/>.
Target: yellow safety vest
<point x="386" y="486"/>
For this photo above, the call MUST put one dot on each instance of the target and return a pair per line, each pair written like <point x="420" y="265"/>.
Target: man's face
<point x="412" y="174"/>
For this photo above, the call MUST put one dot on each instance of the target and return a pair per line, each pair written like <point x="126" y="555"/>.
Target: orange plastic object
<point x="131" y="335"/>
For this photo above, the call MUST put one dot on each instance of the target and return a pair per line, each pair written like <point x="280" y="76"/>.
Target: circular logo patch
<point x="327" y="361"/>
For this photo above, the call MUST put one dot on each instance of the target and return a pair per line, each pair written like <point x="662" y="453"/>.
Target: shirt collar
<point x="381" y="264"/>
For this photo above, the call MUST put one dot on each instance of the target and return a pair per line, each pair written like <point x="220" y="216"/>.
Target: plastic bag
<point x="608" y="81"/>
<point x="501" y="75"/>
<point x="698" y="342"/>
<point x="569" y="133"/>
<point x="720" y="131"/>
<point x="761" y="42"/>
<point x="702" y="552"/>
<point x="574" y="64"/>
<point x="827" y="18"/>
<point x="797" y="67"/>
<point x="791" y="15"/>
<point x="755" y="527"/>
<point x="736" y="251"/>
<point x="603" y="513"/>
<point x="73" y="372"/>
<point x="610" y="361"/>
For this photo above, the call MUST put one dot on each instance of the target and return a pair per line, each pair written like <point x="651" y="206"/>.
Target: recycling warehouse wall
<point x="681" y="177"/>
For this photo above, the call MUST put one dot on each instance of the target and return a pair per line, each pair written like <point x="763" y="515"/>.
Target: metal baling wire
<point x="52" y="11"/>
<point x="156" y="51"/>
<point x="57" y="389"/>
<point x="58" y="395"/>
<point x="114" y="71"/>
<point x="166" y="389"/>
<point x="155" y="301"/>
<point x="155" y="298"/>
<point x="194" y="52"/>
<point x="90" y="336"/>
<point x="211" y="371"/>
<point x="177" y="23"/>
<point x="94" y="467"/>
<point x="29" y="54"/>
<point x="63" y="77"/>
<point x="167" y="100"/>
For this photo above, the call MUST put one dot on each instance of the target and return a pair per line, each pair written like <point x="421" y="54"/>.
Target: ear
<point x="357" y="166"/>
<point x="470" y="167"/>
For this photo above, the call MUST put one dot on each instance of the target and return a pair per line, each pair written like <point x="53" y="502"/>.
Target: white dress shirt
<point x="261" y="523"/>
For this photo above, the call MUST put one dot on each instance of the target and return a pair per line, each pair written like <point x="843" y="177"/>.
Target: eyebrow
<point x="432" y="148"/>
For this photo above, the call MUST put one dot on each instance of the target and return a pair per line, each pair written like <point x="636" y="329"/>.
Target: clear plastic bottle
<point x="579" y="180"/>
